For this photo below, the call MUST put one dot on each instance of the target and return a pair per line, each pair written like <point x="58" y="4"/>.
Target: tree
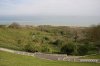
<point x="93" y="35"/>
<point x="75" y="36"/>
<point x="14" y="25"/>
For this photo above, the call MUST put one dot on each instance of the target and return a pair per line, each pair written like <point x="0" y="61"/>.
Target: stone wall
<point x="59" y="57"/>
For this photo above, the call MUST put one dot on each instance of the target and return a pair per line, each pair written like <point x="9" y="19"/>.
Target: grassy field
<point x="9" y="59"/>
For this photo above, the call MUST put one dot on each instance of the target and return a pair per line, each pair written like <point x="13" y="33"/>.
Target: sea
<point x="52" y="20"/>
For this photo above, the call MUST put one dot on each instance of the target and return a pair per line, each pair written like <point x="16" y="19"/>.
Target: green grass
<point x="9" y="59"/>
<point x="92" y="57"/>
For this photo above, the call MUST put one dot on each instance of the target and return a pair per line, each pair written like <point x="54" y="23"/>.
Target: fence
<point x="90" y="60"/>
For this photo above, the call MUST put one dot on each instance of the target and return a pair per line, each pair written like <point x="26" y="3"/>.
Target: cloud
<point x="50" y="7"/>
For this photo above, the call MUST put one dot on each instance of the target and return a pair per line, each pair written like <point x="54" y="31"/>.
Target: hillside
<point x="46" y="38"/>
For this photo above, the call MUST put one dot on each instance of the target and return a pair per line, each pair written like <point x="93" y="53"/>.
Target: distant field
<point x="9" y="59"/>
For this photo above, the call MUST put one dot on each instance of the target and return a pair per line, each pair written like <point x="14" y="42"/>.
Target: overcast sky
<point x="50" y="7"/>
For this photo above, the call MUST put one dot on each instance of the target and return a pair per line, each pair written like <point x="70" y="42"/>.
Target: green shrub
<point x="68" y="48"/>
<point x="83" y="49"/>
<point x="31" y="48"/>
<point x="58" y="42"/>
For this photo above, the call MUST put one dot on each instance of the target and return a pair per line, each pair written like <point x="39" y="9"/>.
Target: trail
<point x="17" y="52"/>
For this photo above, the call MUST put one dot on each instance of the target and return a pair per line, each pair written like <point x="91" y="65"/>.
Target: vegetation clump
<point x="51" y="39"/>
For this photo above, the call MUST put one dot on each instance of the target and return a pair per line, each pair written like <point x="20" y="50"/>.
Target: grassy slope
<point x="9" y="37"/>
<point x="92" y="57"/>
<point x="9" y="59"/>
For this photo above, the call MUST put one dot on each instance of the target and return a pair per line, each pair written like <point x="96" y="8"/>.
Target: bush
<point x="58" y="42"/>
<point x="83" y="49"/>
<point x="31" y="48"/>
<point x="2" y="26"/>
<point x="46" y="49"/>
<point x="14" y="25"/>
<point x="68" y="48"/>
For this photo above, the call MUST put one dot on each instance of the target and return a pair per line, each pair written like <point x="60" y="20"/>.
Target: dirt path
<point x="17" y="52"/>
<point x="7" y="50"/>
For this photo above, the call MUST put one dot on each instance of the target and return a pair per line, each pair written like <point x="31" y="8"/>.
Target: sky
<point x="43" y="8"/>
